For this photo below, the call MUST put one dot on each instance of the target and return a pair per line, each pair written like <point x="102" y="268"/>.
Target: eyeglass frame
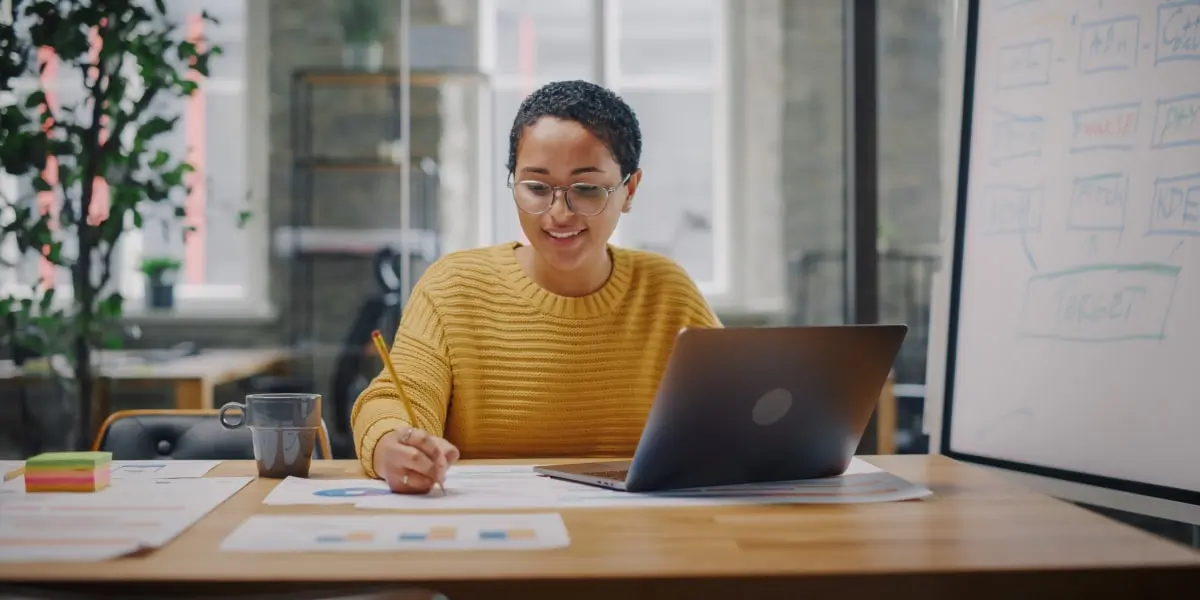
<point x="608" y="192"/>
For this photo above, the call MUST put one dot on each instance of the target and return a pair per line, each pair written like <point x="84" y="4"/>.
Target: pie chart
<point x="352" y="492"/>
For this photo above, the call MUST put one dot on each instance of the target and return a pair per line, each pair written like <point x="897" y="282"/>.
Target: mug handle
<point x="231" y="405"/>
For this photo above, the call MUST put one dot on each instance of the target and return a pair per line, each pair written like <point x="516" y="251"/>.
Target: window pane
<point x="910" y="191"/>
<point x="229" y="33"/>
<point x="544" y="38"/>
<point x="673" y="209"/>
<point x="225" y="245"/>
<point x="669" y="37"/>
<point x="505" y="225"/>
<point x="812" y="155"/>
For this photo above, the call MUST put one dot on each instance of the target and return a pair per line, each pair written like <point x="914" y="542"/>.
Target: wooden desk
<point x="978" y="537"/>
<point x="194" y="377"/>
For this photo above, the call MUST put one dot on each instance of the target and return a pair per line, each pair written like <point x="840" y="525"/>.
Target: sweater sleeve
<point x="422" y="363"/>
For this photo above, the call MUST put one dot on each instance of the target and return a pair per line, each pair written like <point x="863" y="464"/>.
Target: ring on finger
<point x="407" y="434"/>
<point x="404" y="480"/>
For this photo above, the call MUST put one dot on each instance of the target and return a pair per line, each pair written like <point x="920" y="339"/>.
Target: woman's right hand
<point x="411" y="461"/>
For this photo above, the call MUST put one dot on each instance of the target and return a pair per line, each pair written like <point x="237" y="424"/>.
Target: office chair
<point x="173" y="434"/>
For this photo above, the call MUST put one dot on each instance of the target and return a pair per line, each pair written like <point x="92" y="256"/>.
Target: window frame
<point x="605" y="70"/>
<point x="250" y="299"/>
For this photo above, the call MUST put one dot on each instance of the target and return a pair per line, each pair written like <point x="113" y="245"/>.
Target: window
<point x="677" y="86"/>
<point x="222" y="260"/>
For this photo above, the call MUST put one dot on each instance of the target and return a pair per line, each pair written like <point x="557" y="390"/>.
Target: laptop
<point x="751" y="405"/>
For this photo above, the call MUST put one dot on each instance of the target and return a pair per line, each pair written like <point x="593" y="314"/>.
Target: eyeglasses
<point x="587" y="199"/>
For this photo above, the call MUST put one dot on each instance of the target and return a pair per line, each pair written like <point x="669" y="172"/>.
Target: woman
<point x="554" y="348"/>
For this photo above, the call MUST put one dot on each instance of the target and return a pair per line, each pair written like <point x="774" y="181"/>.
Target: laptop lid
<point x="743" y="405"/>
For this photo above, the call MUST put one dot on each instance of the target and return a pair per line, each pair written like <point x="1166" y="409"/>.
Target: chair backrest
<point x="356" y="347"/>
<point x="180" y="435"/>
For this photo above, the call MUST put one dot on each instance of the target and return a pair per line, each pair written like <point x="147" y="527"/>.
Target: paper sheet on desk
<point x="123" y="471"/>
<point x="299" y="490"/>
<point x="324" y="533"/>
<point x="112" y="522"/>
<point x="518" y="487"/>
<point x="161" y="469"/>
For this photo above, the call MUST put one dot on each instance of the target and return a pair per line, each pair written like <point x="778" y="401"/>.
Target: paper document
<point x="121" y="471"/>
<point x="8" y="466"/>
<point x="92" y="526"/>
<point x="518" y="487"/>
<point x="298" y="490"/>
<point x="310" y="533"/>
<point x="161" y="469"/>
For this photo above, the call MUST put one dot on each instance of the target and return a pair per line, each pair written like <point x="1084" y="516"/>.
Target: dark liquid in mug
<point x="284" y="452"/>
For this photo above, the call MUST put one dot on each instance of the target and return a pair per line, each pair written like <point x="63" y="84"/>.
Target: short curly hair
<point x="597" y="109"/>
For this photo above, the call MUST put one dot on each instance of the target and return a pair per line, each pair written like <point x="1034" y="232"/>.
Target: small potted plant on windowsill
<point x="160" y="282"/>
<point x="362" y="30"/>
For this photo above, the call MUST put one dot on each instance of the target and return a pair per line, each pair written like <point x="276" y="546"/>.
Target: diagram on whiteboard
<point x="1097" y="193"/>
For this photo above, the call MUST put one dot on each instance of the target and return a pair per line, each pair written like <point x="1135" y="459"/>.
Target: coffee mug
<point x="284" y="428"/>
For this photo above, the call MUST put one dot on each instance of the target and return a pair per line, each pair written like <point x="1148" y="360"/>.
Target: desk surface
<point x="978" y="536"/>
<point x="219" y="365"/>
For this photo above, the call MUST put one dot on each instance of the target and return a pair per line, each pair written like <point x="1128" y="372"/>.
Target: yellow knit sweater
<point x="503" y="368"/>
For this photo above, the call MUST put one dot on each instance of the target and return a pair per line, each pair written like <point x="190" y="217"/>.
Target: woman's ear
<point x="630" y="188"/>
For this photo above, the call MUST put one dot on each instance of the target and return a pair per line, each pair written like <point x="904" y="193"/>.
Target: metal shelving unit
<point x="304" y="242"/>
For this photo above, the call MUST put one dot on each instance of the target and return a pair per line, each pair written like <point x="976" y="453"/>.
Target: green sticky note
<point x="69" y="460"/>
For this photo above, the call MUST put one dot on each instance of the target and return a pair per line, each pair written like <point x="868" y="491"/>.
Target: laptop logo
<point x="772" y="407"/>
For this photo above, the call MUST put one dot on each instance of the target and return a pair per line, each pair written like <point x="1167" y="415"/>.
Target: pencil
<point x="15" y="473"/>
<point x="381" y="346"/>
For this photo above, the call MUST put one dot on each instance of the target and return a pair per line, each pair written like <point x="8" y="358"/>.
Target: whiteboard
<point x="1074" y="333"/>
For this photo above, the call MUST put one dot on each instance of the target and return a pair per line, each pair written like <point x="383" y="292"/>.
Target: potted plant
<point x="129" y="55"/>
<point x="362" y="31"/>
<point x="160" y="281"/>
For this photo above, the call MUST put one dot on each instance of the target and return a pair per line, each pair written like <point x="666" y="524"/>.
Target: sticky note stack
<point x="67" y="472"/>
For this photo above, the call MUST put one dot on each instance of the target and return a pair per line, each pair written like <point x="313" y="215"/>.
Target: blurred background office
<point x="363" y="139"/>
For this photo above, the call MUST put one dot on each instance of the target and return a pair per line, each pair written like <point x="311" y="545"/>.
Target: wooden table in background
<point x="979" y="536"/>
<point x="194" y="377"/>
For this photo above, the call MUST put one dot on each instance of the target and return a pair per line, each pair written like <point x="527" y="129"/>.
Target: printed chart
<point x="272" y="533"/>
<point x="299" y="490"/>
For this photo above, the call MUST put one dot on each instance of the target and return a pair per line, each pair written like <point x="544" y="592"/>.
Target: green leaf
<point x="156" y="126"/>
<point x="137" y="219"/>
<point x="47" y="301"/>
<point x="111" y="306"/>
<point x="160" y="159"/>
<point x="35" y="99"/>
<point x="54" y="253"/>
<point x="40" y="184"/>
<point x="114" y="340"/>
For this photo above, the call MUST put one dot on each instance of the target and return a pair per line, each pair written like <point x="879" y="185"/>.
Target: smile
<point x="562" y="235"/>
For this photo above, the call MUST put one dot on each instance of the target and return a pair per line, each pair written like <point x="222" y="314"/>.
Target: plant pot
<point x="363" y="56"/>
<point x="160" y="295"/>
